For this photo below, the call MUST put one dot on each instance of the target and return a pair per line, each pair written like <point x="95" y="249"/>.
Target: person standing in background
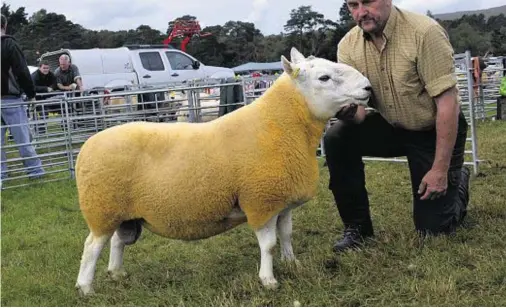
<point x="16" y="81"/>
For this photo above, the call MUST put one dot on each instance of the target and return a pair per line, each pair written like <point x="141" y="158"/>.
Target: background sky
<point x="268" y="15"/>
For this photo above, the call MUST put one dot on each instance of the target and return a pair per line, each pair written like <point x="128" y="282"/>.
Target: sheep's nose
<point x="368" y="88"/>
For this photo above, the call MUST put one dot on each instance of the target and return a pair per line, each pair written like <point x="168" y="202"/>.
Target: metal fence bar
<point x="60" y="124"/>
<point x="474" y="144"/>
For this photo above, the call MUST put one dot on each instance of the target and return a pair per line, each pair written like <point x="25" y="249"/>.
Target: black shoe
<point x="352" y="238"/>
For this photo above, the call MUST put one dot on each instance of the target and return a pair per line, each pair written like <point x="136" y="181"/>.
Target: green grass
<point x="43" y="234"/>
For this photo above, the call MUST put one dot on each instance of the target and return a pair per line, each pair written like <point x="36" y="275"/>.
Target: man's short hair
<point x="4" y="21"/>
<point x="64" y="57"/>
<point x="43" y="62"/>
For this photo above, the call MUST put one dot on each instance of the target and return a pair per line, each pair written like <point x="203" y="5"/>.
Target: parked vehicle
<point x="135" y="65"/>
<point x="106" y="70"/>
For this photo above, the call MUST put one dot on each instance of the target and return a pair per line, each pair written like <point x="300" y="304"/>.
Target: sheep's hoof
<point x="270" y="283"/>
<point x="118" y="274"/>
<point x="85" y="290"/>
<point x="293" y="263"/>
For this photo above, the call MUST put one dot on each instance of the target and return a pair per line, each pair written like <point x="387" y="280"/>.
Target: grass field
<point x="43" y="234"/>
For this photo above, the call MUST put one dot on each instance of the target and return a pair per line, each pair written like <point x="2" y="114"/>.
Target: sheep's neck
<point x="286" y="106"/>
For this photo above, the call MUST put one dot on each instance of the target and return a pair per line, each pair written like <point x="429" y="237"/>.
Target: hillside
<point x="487" y="12"/>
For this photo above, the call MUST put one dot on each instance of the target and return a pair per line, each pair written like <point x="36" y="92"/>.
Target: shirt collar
<point x="389" y="27"/>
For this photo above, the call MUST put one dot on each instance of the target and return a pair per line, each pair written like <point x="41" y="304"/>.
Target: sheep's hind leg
<point x="266" y="236"/>
<point x="92" y="248"/>
<point x="115" y="268"/>
<point x="127" y="234"/>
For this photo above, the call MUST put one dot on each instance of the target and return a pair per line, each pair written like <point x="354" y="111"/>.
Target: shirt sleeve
<point x="435" y="61"/>
<point x="58" y="76"/>
<point x="77" y="74"/>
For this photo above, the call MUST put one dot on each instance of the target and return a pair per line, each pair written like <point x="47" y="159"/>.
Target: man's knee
<point x="435" y="217"/>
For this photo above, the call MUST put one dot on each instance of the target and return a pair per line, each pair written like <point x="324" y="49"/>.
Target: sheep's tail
<point x="129" y="231"/>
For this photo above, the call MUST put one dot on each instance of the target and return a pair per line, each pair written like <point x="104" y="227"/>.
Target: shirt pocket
<point x="404" y="75"/>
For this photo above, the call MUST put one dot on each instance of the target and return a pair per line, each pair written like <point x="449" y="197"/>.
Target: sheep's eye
<point x="324" y="78"/>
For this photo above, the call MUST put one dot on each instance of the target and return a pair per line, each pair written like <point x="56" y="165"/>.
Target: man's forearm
<point x="79" y="82"/>
<point x="63" y="88"/>
<point x="446" y="128"/>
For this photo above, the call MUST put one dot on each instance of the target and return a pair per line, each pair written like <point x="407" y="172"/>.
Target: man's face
<point x="44" y="69"/>
<point x="370" y="15"/>
<point x="64" y="64"/>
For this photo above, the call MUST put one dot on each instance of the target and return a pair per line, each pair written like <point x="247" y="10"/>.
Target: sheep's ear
<point x="290" y="68"/>
<point x="296" y="56"/>
<point x="287" y="65"/>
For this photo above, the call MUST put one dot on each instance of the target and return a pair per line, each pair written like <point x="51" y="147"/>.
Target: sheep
<point x="192" y="181"/>
<point x="209" y="109"/>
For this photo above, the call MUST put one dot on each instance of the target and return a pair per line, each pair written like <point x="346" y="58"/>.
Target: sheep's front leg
<point x="267" y="241"/>
<point x="284" y="228"/>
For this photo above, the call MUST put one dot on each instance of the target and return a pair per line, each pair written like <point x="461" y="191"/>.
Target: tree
<point x="184" y="17"/>
<point x="496" y="22"/>
<point x="346" y="20"/>
<point x="15" y="19"/>
<point x="465" y="37"/>
<point x="242" y="41"/>
<point x="144" y="35"/>
<point x="308" y="29"/>
<point x="237" y="42"/>
<point x="209" y="50"/>
<point x="498" y="41"/>
<point x="39" y="35"/>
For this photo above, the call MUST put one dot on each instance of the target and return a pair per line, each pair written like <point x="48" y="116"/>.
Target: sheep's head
<point x="328" y="86"/>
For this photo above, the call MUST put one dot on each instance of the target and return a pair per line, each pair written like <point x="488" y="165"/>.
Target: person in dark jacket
<point x="45" y="83"/>
<point x="16" y="81"/>
<point x="44" y="80"/>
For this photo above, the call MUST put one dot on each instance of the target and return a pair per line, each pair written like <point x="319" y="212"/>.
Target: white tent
<point x="259" y="66"/>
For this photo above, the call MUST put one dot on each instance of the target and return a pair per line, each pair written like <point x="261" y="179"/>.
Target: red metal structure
<point x="187" y="28"/>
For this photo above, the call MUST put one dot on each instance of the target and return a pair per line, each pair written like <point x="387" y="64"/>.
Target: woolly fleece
<point x="185" y="179"/>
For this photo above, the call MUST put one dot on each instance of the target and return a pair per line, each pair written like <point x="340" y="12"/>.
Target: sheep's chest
<point x="304" y="182"/>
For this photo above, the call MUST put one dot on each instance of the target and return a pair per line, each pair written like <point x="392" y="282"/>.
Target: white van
<point x="135" y="65"/>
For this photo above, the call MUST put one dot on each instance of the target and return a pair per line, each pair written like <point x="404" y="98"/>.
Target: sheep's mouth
<point x="359" y="98"/>
<point x="362" y="99"/>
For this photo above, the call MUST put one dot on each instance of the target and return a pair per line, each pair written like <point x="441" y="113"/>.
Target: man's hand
<point x="352" y="112"/>
<point x="434" y="184"/>
<point x="347" y="113"/>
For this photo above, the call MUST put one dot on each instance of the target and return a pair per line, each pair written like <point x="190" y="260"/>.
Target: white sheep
<point x="192" y="181"/>
<point x="209" y="109"/>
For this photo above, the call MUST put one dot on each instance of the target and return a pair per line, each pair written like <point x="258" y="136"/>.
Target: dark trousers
<point x="346" y="143"/>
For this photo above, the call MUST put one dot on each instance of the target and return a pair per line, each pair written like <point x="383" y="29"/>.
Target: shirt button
<point x="386" y="88"/>
<point x="382" y="69"/>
